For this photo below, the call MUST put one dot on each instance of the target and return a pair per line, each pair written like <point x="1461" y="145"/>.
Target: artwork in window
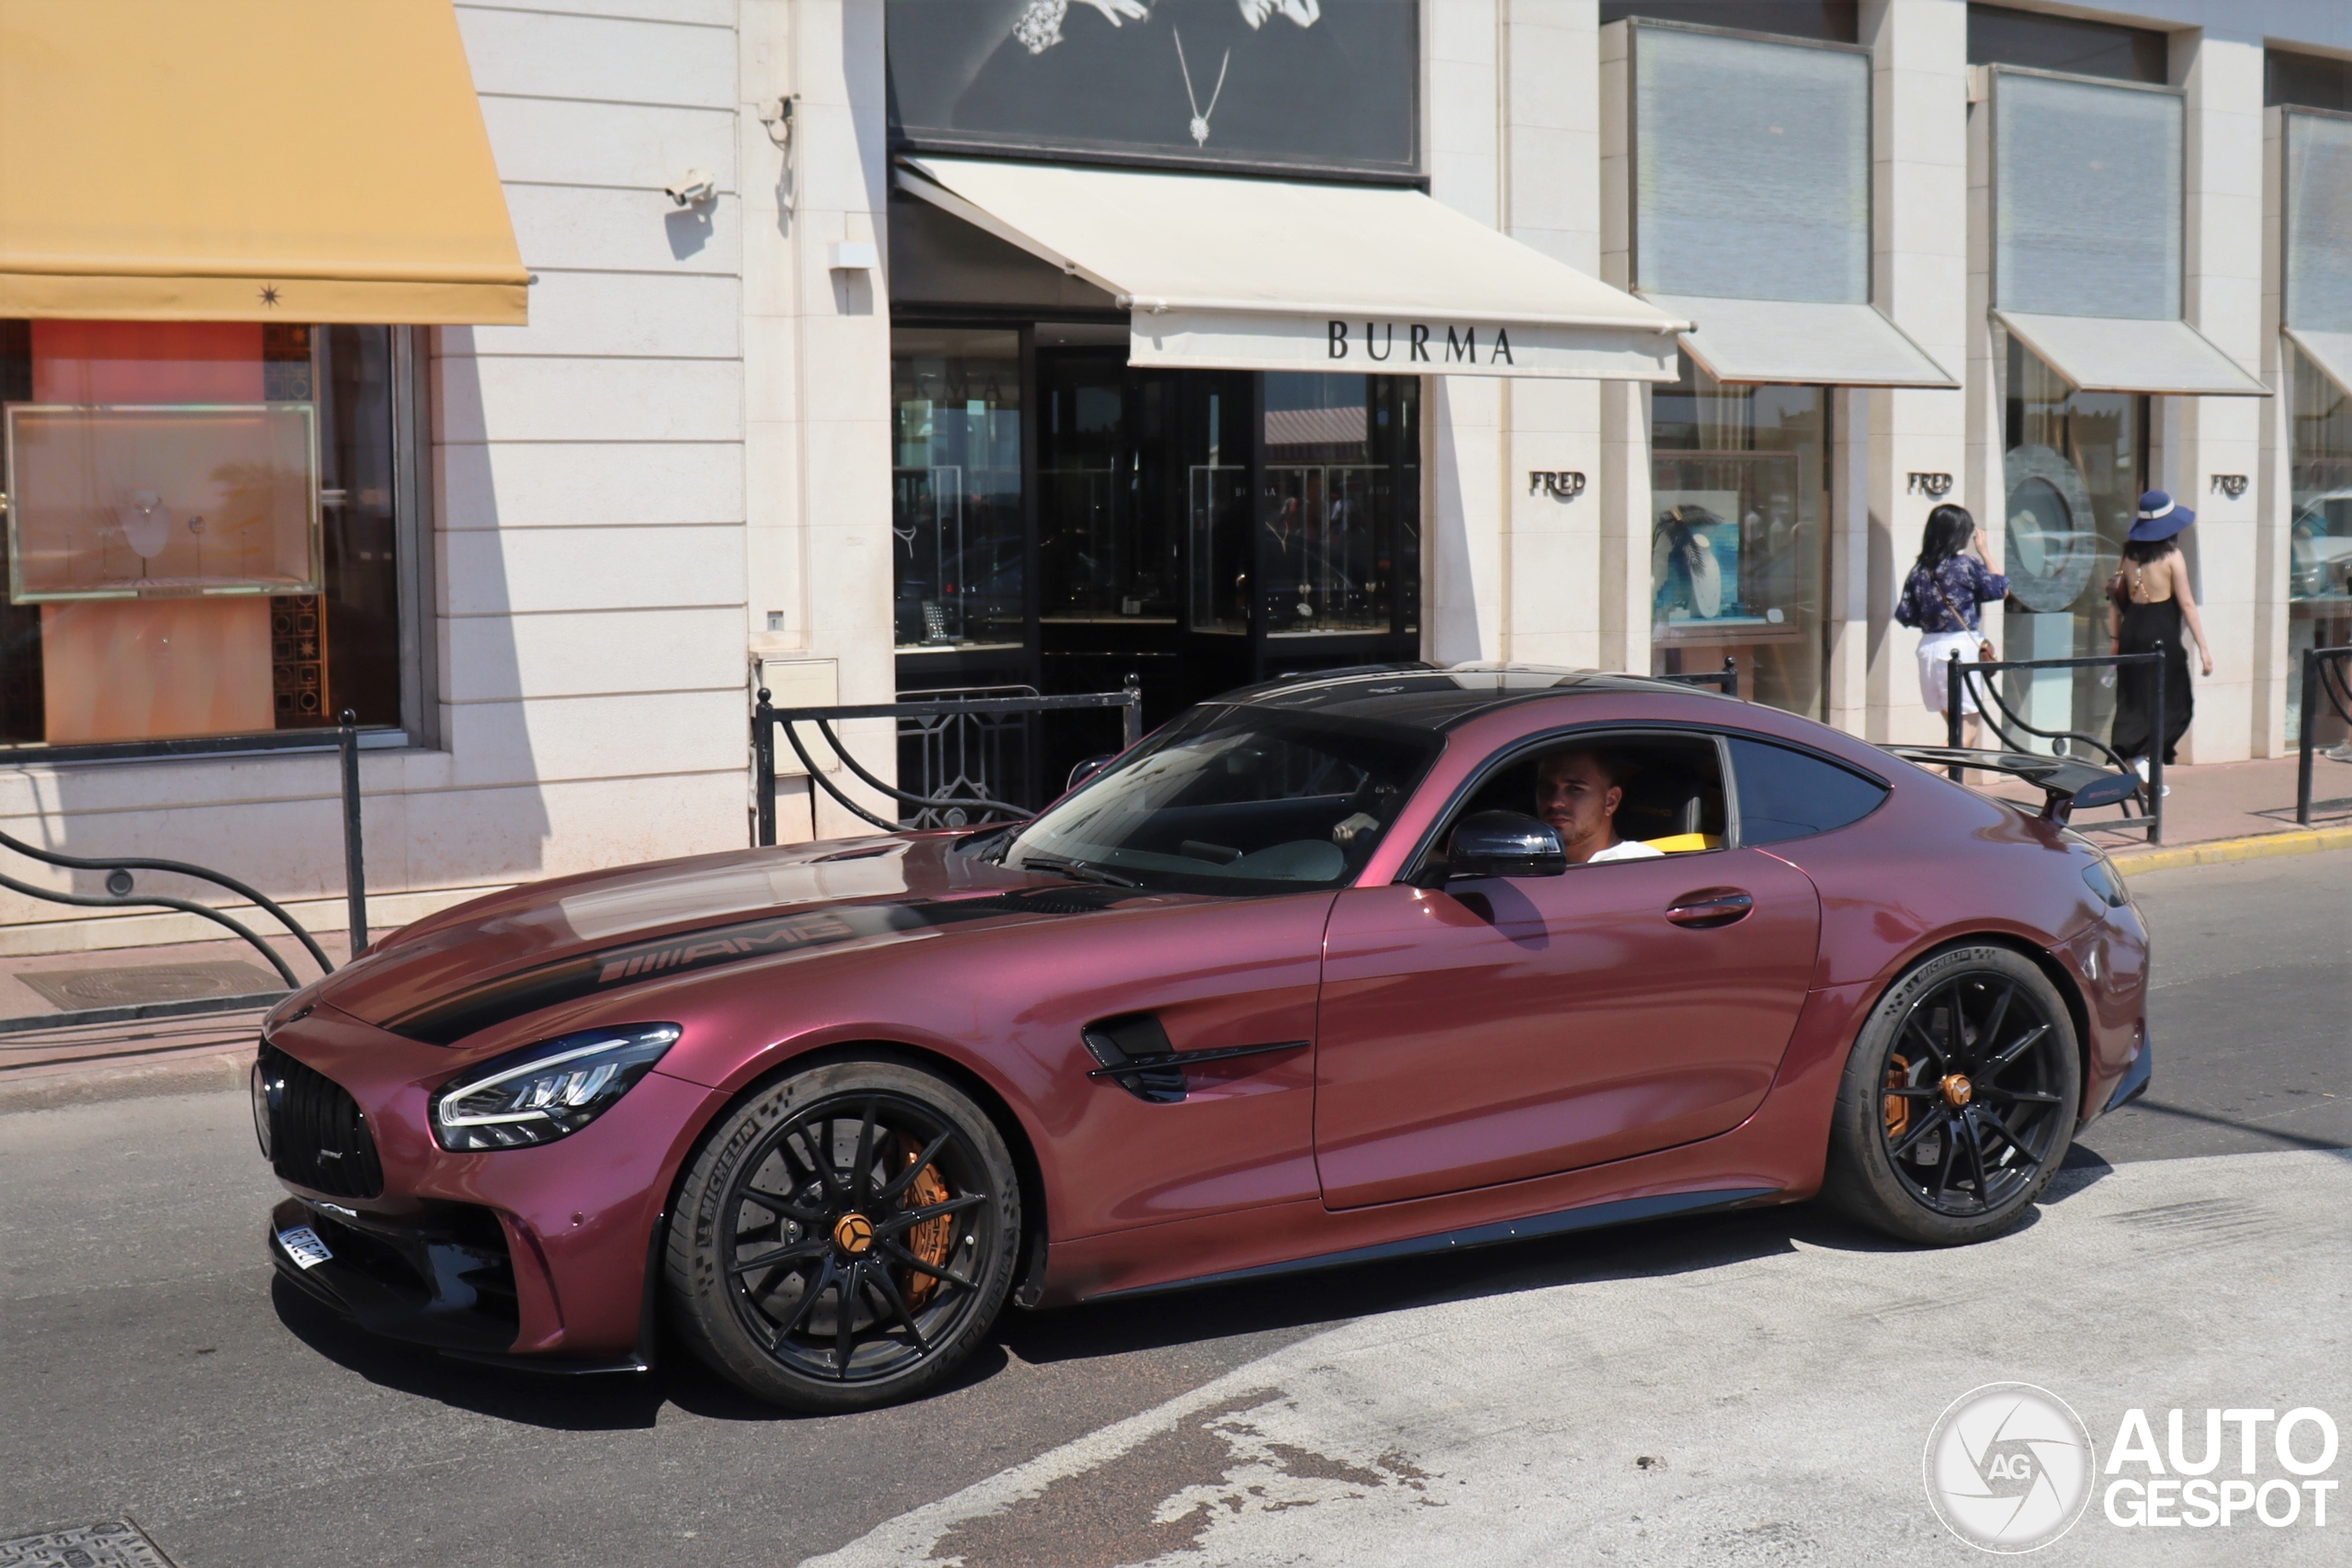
<point x="161" y="501"/>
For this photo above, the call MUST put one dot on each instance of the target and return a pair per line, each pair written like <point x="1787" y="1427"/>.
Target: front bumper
<point x="443" y="1277"/>
<point x="541" y="1253"/>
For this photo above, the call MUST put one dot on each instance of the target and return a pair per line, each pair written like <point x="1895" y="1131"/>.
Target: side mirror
<point x="1087" y="768"/>
<point x="1504" y="844"/>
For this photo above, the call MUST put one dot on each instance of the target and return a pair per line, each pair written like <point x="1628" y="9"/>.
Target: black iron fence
<point x="1726" y="680"/>
<point x="122" y="891"/>
<point x="2325" y="676"/>
<point x="968" y="754"/>
<point x="1973" y="678"/>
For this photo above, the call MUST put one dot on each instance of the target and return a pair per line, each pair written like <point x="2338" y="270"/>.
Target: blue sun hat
<point x="2160" y="518"/>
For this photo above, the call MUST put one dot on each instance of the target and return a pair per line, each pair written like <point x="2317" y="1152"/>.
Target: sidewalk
<point x="2218" y="803"/>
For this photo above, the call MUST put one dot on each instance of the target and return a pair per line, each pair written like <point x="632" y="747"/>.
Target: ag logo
<point x="2008" y="1467"/>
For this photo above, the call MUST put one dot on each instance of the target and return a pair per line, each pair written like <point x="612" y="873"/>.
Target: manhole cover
<point x="117" y="1544"/>
<point x="133" y="984"/>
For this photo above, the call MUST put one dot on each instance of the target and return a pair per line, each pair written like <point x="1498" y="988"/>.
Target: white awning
<point x="1802" y="343"/>
<point x="1282" y="274"/>
<point x="2113" y="353"/>
<point x="2332" y="351"/>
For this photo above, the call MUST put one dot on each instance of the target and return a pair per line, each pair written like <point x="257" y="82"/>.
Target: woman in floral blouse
<point x="1943" y="598"/>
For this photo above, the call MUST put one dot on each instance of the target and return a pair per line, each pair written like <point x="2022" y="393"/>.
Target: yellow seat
<point x="1686" y="843"/>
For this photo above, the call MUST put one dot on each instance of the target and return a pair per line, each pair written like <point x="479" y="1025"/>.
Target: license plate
<point x="304" y="1245"/>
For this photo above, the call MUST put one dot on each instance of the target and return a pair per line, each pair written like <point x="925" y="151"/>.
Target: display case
<point x="161" y="501"/>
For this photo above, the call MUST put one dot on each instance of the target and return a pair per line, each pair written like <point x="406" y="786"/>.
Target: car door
<point x="1502" y="1028"/>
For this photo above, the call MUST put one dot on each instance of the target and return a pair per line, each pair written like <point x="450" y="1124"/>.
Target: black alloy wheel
<point x="1959" y="1100"/>
<point x="846" y="1236"/>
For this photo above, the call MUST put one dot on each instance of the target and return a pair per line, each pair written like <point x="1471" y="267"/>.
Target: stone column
<point x="1923" y="278"/>
<point x="817" y="367"/>
<point x="2208" y="436"/>
<point x="1462" y="531"/>
<point x="1550" y="118"/>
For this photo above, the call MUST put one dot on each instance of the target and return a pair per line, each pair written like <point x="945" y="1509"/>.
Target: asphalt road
<point x="149" y="1365"/>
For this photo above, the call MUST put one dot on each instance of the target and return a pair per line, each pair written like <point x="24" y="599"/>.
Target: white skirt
<point x="1935" y="653"/>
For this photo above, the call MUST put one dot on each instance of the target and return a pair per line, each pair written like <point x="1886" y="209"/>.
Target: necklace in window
<point x="1200" y="126"/>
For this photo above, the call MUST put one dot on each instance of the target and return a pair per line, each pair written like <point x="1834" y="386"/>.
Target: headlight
<point x="547" y="1091"/>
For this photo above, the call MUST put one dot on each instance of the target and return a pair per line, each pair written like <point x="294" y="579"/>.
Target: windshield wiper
<point x="1076" y="870"/>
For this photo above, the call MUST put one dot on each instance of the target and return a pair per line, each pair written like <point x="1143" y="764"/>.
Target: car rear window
<point x="1786" y="793"/>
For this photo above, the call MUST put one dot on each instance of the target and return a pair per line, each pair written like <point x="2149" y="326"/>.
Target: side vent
<point x="1116" y="1042"/>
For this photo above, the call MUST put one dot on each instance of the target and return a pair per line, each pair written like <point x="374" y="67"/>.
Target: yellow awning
<point x="248" y="160"/>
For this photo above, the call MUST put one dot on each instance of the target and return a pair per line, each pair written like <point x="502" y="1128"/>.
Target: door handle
<point x="1713" y="907"/>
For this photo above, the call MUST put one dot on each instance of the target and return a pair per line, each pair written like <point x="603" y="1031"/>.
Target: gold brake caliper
<point x="930" y="1240"/>
<point x="1897" y="1108"/>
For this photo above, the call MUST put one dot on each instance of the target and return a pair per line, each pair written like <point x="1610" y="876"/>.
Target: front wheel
<point x="1959" y="1100"/>
<point x="846" y="1238"/>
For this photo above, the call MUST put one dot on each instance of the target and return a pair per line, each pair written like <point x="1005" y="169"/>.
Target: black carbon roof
<point x="1428" y="696"/>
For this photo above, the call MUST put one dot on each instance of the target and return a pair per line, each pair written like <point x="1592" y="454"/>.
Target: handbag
<point x="1984" y="654"/>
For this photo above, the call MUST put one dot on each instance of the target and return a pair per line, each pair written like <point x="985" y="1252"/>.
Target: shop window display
<point x="1739" y="545"/>
<point x="200" y="530"/>
<point x="957" y="549"/>
<point x="2075" y="466"/>
<point x="2319" y="579"/>
<point x="1343" y="505"/>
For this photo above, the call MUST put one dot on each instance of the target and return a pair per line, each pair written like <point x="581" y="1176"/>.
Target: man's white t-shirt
<point x="1626" y="849"/>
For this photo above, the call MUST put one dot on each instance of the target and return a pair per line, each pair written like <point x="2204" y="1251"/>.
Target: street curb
<point x="70" y="1083"/>
<point x="2219" y="851"/>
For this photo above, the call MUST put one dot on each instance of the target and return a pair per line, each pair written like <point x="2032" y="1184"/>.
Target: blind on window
<point x="2319" y="222"/>
<point x="1752" y="168"/>
<point x="2086" y="190"/>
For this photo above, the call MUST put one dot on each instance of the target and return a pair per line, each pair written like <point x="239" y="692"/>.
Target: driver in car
<point x="1576" y="791"/>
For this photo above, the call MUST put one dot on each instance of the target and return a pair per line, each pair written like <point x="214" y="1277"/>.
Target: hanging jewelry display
<point x="1200" y="123"/>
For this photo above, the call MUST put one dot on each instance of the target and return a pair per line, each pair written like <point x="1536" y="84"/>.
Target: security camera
<point x="696" y="188"/>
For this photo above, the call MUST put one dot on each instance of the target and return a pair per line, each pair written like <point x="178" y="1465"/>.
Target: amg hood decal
<point x="450" y="1018"/>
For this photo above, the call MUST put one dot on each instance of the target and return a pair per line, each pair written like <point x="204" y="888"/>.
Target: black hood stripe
<point x="453" y="1018"/>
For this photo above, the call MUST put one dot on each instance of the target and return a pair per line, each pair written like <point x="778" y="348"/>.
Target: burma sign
<point x="1247" y="340"/>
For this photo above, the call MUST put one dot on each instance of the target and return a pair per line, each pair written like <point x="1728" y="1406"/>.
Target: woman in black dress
<point x="2149" y="603"/>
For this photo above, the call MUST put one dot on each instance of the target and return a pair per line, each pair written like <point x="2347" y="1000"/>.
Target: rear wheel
<point x="1958" y="1100"/>
<point x="845" y="1237"/>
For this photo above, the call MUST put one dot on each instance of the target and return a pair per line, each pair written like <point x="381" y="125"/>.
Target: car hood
<point x="495" y="958"/>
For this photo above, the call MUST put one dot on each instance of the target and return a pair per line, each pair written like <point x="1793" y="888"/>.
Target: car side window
<point x="1669" y="790"/>
<point x="1786" y="793"/>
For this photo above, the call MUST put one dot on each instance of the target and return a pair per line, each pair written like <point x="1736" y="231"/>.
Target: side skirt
<point x="1591" y="1216"/>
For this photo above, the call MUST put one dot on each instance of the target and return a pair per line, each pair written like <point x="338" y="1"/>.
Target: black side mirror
<point x="1504" y="844"/>
<point x="1087" y="768"/>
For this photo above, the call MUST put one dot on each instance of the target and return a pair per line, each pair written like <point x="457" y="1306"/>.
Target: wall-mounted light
<point x="853" y="256"/>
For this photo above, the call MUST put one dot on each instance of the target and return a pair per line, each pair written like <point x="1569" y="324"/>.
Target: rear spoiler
<point x="2065" y="783"/>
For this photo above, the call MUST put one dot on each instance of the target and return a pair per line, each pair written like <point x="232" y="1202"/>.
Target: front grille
<point x="318" y="1138"/>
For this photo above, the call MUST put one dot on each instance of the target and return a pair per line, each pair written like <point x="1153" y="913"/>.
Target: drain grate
<point x="116" y="1543"/>
<point x="132" y="985"/>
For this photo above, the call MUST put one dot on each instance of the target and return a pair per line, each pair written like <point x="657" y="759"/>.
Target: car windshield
<point x="1231" y="799"/>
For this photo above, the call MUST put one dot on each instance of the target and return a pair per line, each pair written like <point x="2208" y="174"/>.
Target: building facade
<point x="856" y="348"/>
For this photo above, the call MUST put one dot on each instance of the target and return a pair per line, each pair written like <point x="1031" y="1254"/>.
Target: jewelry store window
<point x="2319" y="572"/>
<point x="1739" y="545"/>
<point x="2075" y="466"/>
<point x="959" y="545"/>
<point x="207" y="529"/>
<point x="1342" y="505"/>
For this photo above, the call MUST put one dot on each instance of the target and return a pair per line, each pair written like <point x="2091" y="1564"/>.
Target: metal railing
<point x="1963" y="675"/>
<point x="966" y="796"/>
<point x="2324" y="675"/>
<point x="122" y="892"/>
<point x="1726" y="680"/>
